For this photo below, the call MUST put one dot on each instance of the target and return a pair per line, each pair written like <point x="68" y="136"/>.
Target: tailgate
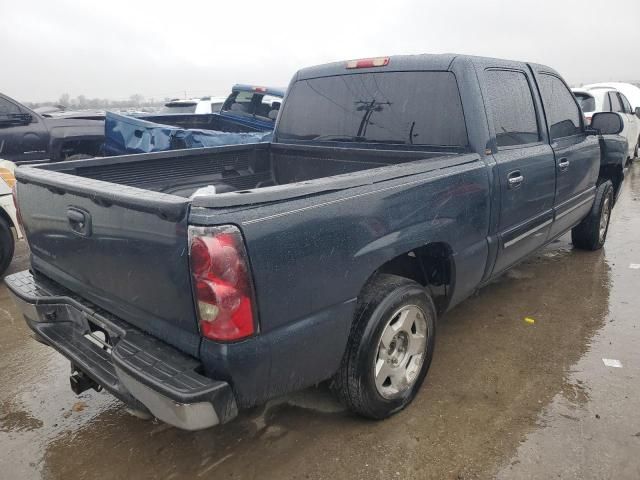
<point x="122" y="248"/>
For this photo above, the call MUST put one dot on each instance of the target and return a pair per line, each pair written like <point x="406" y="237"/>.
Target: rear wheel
<point x="7" y="245"/>
<point x="390" y="347"/>
<point x="591" y="233"/>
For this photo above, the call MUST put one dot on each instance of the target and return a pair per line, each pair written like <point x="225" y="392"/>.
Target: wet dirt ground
<point x="505" y="398"/>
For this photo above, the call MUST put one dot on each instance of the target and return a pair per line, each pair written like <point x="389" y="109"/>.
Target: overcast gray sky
<point x="159" y="48"/>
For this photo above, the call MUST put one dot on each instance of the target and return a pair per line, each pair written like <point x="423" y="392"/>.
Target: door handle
<point x="80" y="221"/>
<point x="515" y="179"/>
<point x="563" y="164"/>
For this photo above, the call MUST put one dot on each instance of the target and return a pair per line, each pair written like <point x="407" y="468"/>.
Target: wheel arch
<point x="614" y="173"/>
<point x="432" y="265"/>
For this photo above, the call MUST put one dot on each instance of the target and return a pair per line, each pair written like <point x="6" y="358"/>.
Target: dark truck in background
<point x="248" y="108"/>
<point x="30" y="137"/>
<point x="393" y="189"/>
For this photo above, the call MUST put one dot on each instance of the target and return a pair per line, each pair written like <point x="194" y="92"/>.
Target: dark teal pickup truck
<point x="193" y="283"/>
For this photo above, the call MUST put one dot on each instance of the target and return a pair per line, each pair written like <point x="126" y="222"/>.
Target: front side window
<point x="7" y="107"/>
<point x="563" y="114"/>
<point x="512" y="108"/>
<point x="395" y="108"/>
<point x="606" y="107"/>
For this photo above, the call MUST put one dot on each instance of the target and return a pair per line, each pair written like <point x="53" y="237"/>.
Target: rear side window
<point x="587" y="102"/>
<point x="616" y="104"/>
<point x="512" y="108"/>
<point x="397" y="108"/>
<point x="562" y="111"/>
<point x="253" y="104"/>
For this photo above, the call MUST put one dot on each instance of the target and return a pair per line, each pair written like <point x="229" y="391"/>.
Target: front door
<point x="576" y="153"/>
<point x="525" y="164"/>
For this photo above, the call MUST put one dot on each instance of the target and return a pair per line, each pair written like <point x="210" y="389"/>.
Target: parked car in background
<point x="8" y="216"/>
<point x="194" y="105"/>
<point x="629" y="90"/>
<point x="195" y="282"/>
<point x="27" y="136"/>
<point x="594" y="99"/>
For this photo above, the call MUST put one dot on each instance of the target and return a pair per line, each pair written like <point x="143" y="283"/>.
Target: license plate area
<point x="98" y="336"/>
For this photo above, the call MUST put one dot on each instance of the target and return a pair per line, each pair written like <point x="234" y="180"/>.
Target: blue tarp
<point x="125" y="135"/>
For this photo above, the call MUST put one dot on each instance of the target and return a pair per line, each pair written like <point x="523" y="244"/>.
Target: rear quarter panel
<point x="311" y="257"/>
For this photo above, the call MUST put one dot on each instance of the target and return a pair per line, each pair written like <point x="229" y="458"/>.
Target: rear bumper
<point x="135" y="367"/>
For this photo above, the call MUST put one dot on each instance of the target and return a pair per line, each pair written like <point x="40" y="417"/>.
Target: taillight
<point x="221" y="282"/>
<point x="588" y="119"/>
<point x="368" y="62"/>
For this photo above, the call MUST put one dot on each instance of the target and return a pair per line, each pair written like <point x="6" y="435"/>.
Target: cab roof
<point x="424" y="61"/>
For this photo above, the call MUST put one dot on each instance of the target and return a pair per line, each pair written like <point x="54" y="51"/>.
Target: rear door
<point x="577" y="155"/>
<point x="525" y="162"/>
<point x="633" y="124"/>
<point x="617" y="106"/>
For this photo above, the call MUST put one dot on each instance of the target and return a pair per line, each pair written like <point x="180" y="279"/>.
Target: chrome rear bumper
<point x="141" y="370"/>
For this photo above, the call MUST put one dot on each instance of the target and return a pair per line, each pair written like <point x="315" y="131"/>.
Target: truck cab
<point x="393" y="188"/>
<point x="253" y="106"/>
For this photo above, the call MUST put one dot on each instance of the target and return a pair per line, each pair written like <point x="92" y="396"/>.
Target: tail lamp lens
<point x="221" y="282"/>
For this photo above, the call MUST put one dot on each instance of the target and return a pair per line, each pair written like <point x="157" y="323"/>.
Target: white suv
<point x="594" y="99"/>
<point x="194" y="105"/>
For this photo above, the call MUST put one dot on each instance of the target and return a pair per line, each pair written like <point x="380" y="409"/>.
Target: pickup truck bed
<point x="243" y="169"/>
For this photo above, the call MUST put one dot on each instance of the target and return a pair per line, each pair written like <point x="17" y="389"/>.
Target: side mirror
<point x="25" y="118"/>
<point x="638" y="112"/>
<point x="607" y="123"/>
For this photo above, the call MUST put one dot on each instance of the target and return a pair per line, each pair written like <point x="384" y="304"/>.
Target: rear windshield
<point x="253" y="104"/>
<point x="406" y="108"/>
<point x="181" y="107"/>
<point x="587" y="102"/>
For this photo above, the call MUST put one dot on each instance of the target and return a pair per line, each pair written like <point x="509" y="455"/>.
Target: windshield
<point x="407" y="108"/>
<point x="182" y="107"/>
<point x="253" y="104"/>
<point x="586" y="101"/>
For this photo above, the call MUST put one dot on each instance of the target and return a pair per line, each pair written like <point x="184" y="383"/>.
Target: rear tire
<point x="389" y="349"/>
<point x="591" y="233"/>
<point x="7" y="245"/>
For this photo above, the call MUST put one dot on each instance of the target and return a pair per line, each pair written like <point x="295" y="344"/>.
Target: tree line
<point x="81" y="102"/>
